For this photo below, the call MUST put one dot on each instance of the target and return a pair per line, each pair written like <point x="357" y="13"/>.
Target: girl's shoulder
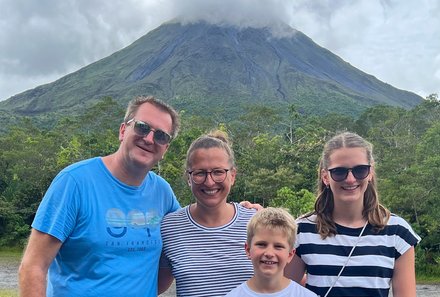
<point x="306" y="219"/>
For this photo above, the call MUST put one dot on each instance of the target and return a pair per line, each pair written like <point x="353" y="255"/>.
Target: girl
<point x="351" y="245"/>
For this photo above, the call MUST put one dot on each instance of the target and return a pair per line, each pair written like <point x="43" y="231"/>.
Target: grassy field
<point x="8" y="256"/>
<point x="8" y="293"/>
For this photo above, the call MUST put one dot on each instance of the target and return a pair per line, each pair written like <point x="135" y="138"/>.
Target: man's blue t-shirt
<point x="110" y="231"/>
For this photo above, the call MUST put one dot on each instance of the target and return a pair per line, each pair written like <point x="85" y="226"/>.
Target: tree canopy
<point x="277" y="157"/>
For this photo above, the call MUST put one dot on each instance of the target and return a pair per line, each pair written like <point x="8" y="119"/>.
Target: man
<point x="96" y="232"/>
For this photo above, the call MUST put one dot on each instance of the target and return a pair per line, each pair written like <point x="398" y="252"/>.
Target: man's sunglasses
<point x="143" y="129"/>
<point x="339" y="174"/>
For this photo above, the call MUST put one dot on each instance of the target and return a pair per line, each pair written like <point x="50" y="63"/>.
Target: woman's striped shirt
<point x="206" y="261"/>
<point x="370" y="268"/>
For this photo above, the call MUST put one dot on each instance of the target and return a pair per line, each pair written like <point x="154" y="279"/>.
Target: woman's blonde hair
<point x="213" y="139"/>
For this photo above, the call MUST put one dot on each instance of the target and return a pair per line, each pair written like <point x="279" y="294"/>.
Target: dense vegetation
<point x="276" y="155"/>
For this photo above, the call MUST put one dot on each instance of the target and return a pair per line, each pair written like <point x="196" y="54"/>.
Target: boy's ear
<point x="291" y="254"/>
<point x="248" y="250"/>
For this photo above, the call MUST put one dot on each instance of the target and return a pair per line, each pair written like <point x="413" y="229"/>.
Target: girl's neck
<point x="349" y="216"/>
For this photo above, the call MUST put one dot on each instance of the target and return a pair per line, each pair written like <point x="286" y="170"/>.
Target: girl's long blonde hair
<point x="376" y="213"/>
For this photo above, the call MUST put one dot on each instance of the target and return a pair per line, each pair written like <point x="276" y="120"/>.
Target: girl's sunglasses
<point x="143" y="129"/>
<point x="339" y="174"/>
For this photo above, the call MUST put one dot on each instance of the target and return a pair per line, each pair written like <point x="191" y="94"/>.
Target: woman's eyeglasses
<point x="339" y="174"/>
<point x="143" y="129"/>
<point x="217" y="175"/>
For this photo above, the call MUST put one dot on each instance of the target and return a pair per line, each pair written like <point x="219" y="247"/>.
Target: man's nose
<point x="150" y="137"/>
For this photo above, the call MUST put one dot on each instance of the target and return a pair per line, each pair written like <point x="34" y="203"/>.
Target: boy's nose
<point x="268" y="253"/>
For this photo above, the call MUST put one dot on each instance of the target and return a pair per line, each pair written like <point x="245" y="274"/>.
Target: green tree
<point x="298" y="203"/>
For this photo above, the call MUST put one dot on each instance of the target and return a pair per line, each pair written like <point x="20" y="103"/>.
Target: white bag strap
<point x="348" y="259"/>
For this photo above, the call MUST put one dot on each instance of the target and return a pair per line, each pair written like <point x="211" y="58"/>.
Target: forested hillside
<point x="277" y="160"/>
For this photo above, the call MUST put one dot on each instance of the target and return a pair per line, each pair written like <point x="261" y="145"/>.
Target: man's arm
<point x="39" y="254"/>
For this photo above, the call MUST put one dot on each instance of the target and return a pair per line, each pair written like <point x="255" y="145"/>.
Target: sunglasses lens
<point x="142" y="128"/>
<point x="339" y="174"/>
<point x="361" y="171"/>
<point x="161" y="137"/>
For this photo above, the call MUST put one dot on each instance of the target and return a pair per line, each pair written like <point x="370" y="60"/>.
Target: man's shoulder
<point x="157" y="179"/>
<point x="83" y="165"/>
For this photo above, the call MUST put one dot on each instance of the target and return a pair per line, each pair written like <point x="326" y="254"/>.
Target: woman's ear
<point x="325" y="177"/>
<point x="188" y="179"/>
<point x="233" y="174"/>
<point x="372" y="173"/>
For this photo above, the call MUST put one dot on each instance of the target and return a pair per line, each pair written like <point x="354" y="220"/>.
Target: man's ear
<point x="122" y="129"/>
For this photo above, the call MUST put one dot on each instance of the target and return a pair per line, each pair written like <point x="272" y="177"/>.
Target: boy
<point x="270" y="239"/>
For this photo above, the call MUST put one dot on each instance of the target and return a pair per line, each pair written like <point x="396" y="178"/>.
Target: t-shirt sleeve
<point x="164" y="262"/>
<point x="174" y="203"/>
<point x="57" y="212"/>
<point x="406" y="237"/>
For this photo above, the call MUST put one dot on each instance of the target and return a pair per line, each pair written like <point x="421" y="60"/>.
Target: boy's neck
<point x="268" y="285"/>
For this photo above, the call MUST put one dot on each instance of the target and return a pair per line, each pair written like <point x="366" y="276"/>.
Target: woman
<point x="203" y="243"/>
<point x="351" y="245"/>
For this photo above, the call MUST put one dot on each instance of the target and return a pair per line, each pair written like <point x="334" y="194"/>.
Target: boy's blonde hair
<point x="273" y="218"/>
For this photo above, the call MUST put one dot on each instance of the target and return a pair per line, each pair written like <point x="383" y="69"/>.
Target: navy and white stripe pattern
<point x="370" y="269"/>
<point x="206" y="261"/>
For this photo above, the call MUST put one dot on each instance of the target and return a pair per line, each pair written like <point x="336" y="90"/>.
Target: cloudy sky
<point x="43" y="40"/>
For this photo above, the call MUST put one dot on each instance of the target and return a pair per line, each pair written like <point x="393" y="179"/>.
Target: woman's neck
<point x="212" y="217"/>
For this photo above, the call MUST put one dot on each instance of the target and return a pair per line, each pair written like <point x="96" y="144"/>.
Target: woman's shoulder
<point x="243" y="211"/>
<point x="175" y="216"/>
<point x="397" y="225"/>
<point x="396" y="220"/>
